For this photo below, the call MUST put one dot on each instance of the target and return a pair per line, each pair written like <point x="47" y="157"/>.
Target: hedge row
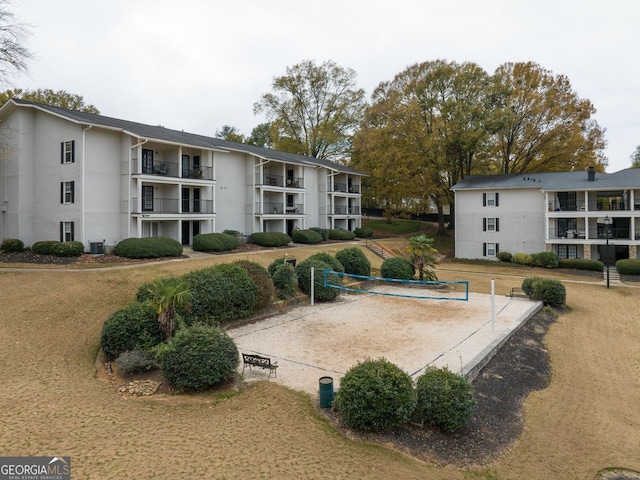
<point x="547" y="290"/>
<point x="271" y="239"/>
<point x="582" y="264"/>
<point x="628" y="266"/>
<point x="306" y="236"/>
<point x="58" y="249"/>
<point x="214" y="242"/>
<point x="150" y="247"/>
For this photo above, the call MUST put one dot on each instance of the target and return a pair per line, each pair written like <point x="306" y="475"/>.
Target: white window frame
<point x="491" y="199"/>
<point x="491" y="249"/>
<point x="67" y="196"/>
<point x="491" y="224"/>
<point x="68" y="152"/>
<point x="67" y="232"/>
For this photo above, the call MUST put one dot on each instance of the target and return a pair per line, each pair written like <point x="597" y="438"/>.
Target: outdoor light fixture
<point x="607" y="224"/>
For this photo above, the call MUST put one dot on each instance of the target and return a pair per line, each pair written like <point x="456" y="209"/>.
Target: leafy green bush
<point x="363" y="232"/>
<point x="234" y="233"/>
<point x="354" y="261"/>
<point x="629" y="266"/>
<point x="220" y="293"/>
<point x="320" y="292"/>
<point x="12" y="245"/>
<point x="214" y="242"/>
<point x="444" y="400"/>
<point x="150" y="247"/>
<point x="375" y="395"/>
<point x="260" y="277"/>
<point x="44" y="247"/>
<point x="504" y="256"/>
<point x="547" y="290"/>
<point x="324" y="232"/>
<point x="582" y="264"/>
<point x="341" y="235"/>
<point x="143" y="294"/>
<point x="545" y="260"/>
<point x="135" y="361"/>
<point x="134" y="327"/>
<point x="270" y="239"/>
<point x="68" y="249"/>
<point x="284" y="279"/>
<point x="333" y="262"/>
<point x="306" y="236"/>
<point x="522" y="259"/>
<point x="398" y="268"/>
<point x="276" y="263"/>
<point x="199" y="357"/>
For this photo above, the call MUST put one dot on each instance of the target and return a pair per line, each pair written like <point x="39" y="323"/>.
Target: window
<point x="68" y="152"/>
<point x="147" y="198"/>
<point x="490" y="199"/>
<point x="67" y="192"/>
<point x="66" y="232"/>
<point x="568" y="251"/>
<point x="490" y="249"/>
<point x="490" y="224"/>
<point x="147" y="161"/>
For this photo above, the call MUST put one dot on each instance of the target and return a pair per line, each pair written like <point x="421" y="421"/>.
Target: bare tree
<point x="13" y="52"/>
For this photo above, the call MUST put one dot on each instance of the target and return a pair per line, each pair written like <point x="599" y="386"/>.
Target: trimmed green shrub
<point x="335" y="264"/>
<point x="398" y="268"/>
<point x="260" y="277"/>
<point x="545" y="260"/>
<point x="214" y="242"/>
<point x="12" y="245"/>
<point x="320" y="292"/>
<point x="220" y="293"/>
<point x="306" y="236"/>
<point x="144" y="294"/>
<point x="522" y="259"/>
<point x="354" y="261"/>
<point x="444" y="400"/>
<point x="363" y="232"/>
<point x="276" y="263"/>
<point x="234" y="233"/>
<point x="582" y="264"/>
<point x="149" y="247"/>
<point x="629" y="266"/>
<point x="284" y="279"/>
<point x="68" y="249"/>
<point x="134" y="327"/>
<point x="527" y="284"/>
<point x="44" y="247"/>
<point x="375" y="395"/>
<point x="199" y="357"/>
<point x="550" y="291"/>
<point x="324" y="232"/>
<point x="270" y="239"/>
<point x="136" y="361"/>
<point x="341" y="235"/>
<point x="504" y="256"/>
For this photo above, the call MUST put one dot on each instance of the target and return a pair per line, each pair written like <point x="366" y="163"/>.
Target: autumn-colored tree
<point x="543" y="126"/>
<point x="635" y="158"/>
<point x="314" y="110"/>
<point x="47" y="96"/>
<point x="230" y="133"/>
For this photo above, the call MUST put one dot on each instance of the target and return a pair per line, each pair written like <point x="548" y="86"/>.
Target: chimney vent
<point x="592" y="174"/>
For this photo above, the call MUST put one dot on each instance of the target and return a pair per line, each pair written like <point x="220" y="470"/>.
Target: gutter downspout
<point x="83" y="179"/>
<point x="142" y="142"/>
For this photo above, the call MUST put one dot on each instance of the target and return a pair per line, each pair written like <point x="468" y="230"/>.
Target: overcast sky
<point x="197" y="65"/>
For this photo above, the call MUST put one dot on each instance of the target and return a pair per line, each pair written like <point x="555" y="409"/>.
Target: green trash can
<point x="326" y="392"/>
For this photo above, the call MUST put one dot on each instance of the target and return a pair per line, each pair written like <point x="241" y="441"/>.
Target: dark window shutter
<point x="61" y="192"/>
<point x="61" y="152"/>
<point x="497" y="197"/>
<point x="484" y="224"/>
<point x="73" y="236"/>
<point x="73" y="159"/>
<point x="62" y="231"/>
<point x="73" y="192"/>
<point x="497" y="248"/>
<point x="484" y="249"/>
<point x="497" y="224"/>
<point x="484" y="199"/>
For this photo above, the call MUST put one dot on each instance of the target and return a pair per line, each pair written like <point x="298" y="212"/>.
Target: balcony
<point x="280" y="181"/>
<point x="169" y="169"/>
<point x="275" y="208"/>
<point x="345" y="210"/>
<point x="343" y="188"/>
<point x="170" y="206"/>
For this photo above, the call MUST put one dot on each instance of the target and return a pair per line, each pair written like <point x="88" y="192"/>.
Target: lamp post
<point x="607" y="223"/>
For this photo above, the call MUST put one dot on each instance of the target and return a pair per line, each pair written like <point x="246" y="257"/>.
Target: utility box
<point x="96" y="248"/>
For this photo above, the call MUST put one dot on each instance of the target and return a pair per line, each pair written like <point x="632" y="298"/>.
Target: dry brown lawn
<point x="51" y="402"/>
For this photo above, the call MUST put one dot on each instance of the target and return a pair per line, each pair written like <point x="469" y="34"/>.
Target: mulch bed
<point x="520" y="367"/>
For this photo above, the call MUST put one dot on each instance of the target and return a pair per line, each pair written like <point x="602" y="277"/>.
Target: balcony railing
<point x="275" y="208"/>
<point x="280" y="181"/>
<point x="169" y="169"/>
<point x="342" y="187"/>
<point x="170" y="206"/>
<point x="345" y="210"/>
<point x="598" y="233"/>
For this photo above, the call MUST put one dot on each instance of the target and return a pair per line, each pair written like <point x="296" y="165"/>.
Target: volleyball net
<point x="391" y="287"/>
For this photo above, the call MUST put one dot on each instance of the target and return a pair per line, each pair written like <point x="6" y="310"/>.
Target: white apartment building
<point x="573" y="214"/>
<point x="69" y="175"/>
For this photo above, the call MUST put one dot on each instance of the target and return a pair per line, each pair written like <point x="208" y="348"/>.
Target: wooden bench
<point x="260" y="362"/>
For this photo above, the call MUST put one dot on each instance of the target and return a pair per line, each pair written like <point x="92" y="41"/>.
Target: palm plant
<point x="421" y="247"/>
<point x="167" y="294"/>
